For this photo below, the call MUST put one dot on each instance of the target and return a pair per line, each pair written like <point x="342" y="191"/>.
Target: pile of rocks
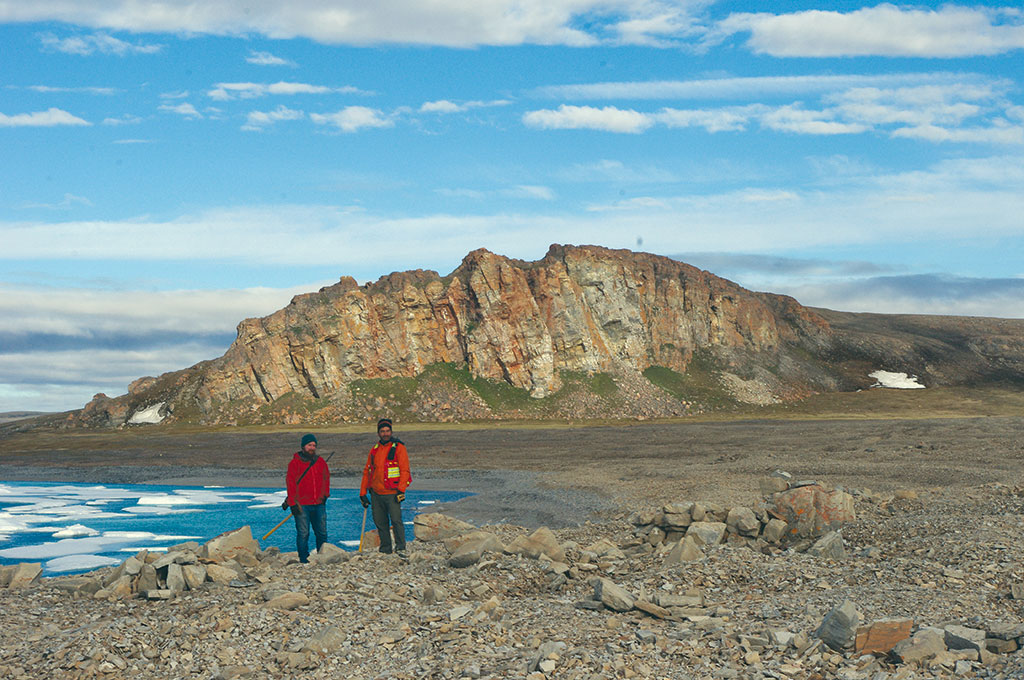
<point x="801" y="515"/>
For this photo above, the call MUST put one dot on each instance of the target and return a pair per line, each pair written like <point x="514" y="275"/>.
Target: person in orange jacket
<point x="385" y="479"/>
<point x="309" y="486"/>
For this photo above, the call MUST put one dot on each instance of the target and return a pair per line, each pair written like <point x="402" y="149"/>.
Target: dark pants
<point x="386" y="508"/>
<point x="315" y="516"/>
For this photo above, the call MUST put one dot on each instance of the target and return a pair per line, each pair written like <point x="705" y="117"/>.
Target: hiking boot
<point x="401" y="554"/>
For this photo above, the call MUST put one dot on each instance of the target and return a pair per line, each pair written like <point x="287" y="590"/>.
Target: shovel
<point x="362" y="531"/>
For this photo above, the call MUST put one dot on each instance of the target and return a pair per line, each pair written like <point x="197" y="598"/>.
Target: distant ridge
<point x="584" y="332"/>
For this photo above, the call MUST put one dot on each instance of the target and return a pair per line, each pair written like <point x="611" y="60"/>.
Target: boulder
<point x="813" y="510"/>
<point x="838" y="630"/>
<point x="434" y="526"/>
<point x="743" y="521"/>
<point x="329" y="554"/>
<point x="612" y="596"/>
<point x="220" y="574"/>
<point x="487" y="540"/>
<point x="711" y="533"/>
<point x="228" y="544"/>
<point x="961" y="637"/>
<point x="882" y="635"/>
<point x="540" y="542"/>
<point x="605" y="548"/>
<point x="195" y="575"/>
<point x="147" y="579"/>
<point x="925" y="644"/>
<point x="25" y="574"/>
<point x="774" y="531"/>
<point x="175" y="578"/>
<point x="686" y="550"/>
<point x="326" y="640"/>
<point x="829" y="546"/>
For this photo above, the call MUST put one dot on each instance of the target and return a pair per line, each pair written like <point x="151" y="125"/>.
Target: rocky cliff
<point x="664" y="335"/>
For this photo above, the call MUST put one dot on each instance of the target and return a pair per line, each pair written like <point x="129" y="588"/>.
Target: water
<point x="78" y="527"/>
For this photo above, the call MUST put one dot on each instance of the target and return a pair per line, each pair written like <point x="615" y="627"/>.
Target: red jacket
<point x="314" y="488"/>
<point x="375" y="471"/>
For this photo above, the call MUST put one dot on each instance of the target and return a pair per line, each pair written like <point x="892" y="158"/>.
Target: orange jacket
<point x="376" y="469"/>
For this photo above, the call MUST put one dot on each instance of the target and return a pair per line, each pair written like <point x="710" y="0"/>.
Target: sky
<point x="171" y="168"/>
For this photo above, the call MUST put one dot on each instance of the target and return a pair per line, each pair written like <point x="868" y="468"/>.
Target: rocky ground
<point x="937" y="540"/>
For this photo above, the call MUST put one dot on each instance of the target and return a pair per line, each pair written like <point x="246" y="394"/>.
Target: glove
<point x="365" y="500"/>
<point x="297" y="510"/>
<point x="400" y="497"/>
<point x="284" y="504"/>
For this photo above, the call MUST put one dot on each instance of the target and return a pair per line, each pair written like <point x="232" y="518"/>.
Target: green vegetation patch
<point x="700" y="384"/>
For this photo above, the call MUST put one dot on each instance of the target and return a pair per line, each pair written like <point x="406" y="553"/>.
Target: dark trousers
<point x="315" y="516"/>
<point x="387" y="510"/>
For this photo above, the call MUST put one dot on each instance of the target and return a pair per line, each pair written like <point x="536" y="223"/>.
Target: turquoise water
<point x="78" y="527"/>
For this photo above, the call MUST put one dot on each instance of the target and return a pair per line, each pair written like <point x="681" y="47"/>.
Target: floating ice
<point x="158" y="510"/>
<point x="427" y="502"/>
<point x="109" y="540"/>
<point x="79" y="563"/>
<point x="74" y="531"/>
<point x="899" y="381"/>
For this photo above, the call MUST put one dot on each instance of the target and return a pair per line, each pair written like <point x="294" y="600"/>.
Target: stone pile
<point x="802" y="515"/>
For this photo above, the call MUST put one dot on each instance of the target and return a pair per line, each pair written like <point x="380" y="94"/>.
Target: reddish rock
<point x="813" y="510"/>
<point x="881" y="636"/>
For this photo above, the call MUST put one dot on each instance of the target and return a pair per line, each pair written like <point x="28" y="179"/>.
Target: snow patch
<point x="74" y="531"/>
<point x="147" y="416"/>
<point x="898" y="381"/>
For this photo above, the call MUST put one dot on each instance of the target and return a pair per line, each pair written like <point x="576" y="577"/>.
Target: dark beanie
<point x="307" y="438"/>
<point x="383" y="422"/>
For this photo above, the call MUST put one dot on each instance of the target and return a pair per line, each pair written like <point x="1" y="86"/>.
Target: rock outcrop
<point x="579" y="310"/>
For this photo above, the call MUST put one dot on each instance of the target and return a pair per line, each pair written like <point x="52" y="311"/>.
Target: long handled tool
<point x="362" y="530"/>
<point x="266" y="535"/>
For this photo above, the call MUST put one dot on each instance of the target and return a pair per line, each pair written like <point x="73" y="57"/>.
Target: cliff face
<point x="585" y="310"/>
<point x="581" y="309"/>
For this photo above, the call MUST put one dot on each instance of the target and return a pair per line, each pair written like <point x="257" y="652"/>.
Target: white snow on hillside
<point x="898" y="381"/>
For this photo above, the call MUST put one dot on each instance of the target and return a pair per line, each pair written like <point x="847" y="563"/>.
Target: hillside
<point x="585" y="332"/>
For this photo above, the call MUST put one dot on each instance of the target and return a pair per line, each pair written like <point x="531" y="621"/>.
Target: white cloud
<point x="353" y="118"/>
<point x="454" y="23"/>
<point x="86" y="90"/>
<point x="441" y="106"/>
<point x="608" y="119"/>
<point x="949" y="200"/>
<point x="69" y="201"/>
<point x="126" y="119"/>
<point x="259" y="120"/>
<point x="229" y="91"/>
<point x="759" y="86"/>
<point x="184" y="109"/>
<point x="533" y="191"/>
<point x="795" y="119"/>
<point x="81" y="313"/>
<point x="267" y="59"/>
<point x="884" y="30"/>
<point x="49" y="118"/>
<point x="712" y="120"/>
<point x="180" y="94"/>
<point x="132" y="141"/>
<point x="96" y="43"/>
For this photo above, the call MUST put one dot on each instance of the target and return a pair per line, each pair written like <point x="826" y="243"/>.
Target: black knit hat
<point x="383" y="422"/>
<point x="307" y="438"/>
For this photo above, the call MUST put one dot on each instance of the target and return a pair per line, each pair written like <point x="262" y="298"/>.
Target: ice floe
<point x="79" y="563"/>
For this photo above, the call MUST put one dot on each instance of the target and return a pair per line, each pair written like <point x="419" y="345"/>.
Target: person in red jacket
<point x="385" y="479"/>
<point x="309" y="486"/>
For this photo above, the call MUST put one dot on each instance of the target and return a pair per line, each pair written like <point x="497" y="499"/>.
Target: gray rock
<point x="774" y="531"/>
<point x="175" y="578"/>
<point x="712" y="533"/>
<point x="961" y="637"/>
<point x="614" y="597"/>
<point x="922" y="645"/>
<point x="25" y="574"/>
<point x="326" y="640"/>
<point x="686" y="550"/>
<point x="838" y="630"/>
<point x="743" y="521"/>
<point x="147" y="579"/>
<point x="829" y="546"/>
<point x="288" y="601"/>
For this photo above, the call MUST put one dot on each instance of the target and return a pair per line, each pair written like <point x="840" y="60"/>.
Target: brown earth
<point x="561" y="475"/>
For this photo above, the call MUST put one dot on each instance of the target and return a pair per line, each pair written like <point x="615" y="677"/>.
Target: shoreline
<point x="512" y="497"/>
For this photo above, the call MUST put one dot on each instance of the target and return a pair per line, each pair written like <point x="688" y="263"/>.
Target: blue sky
<point x="173" y="167"/>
